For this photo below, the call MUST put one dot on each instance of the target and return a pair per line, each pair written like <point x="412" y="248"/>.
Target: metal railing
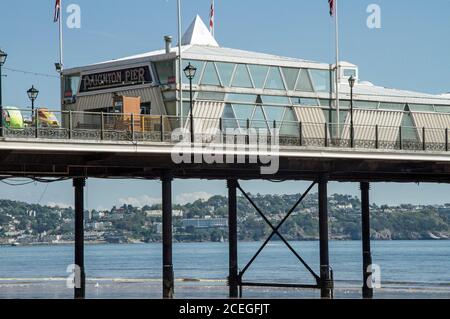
<point x="95" y="126"/>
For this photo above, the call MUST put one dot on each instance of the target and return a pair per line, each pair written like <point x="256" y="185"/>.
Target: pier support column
<point x="367" y="291"/>
<point x="80" y="277"/>
<point x="168" y="276"/>
<point x="232" y="239"/>
<point x="326" y="274"/>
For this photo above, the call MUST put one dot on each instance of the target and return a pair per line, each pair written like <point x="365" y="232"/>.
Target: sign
<point x="114" y="79"/>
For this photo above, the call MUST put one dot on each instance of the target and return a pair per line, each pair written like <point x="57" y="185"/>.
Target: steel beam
<point x="367" y="290"/>
<point x="80" y="277"/>
<point x="233" y="278"/>
<point x="168" y="276"/>
<point x="326" y="273"/>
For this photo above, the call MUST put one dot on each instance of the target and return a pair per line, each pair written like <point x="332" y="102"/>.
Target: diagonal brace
<point x="275" y="231"/>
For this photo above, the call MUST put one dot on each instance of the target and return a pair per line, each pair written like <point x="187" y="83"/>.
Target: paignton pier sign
<point x="113" y="79"/>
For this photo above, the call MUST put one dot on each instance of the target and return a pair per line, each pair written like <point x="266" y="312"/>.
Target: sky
<point x="410" y="51"/>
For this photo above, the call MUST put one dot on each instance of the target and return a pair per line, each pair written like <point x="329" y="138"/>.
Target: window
<point x="442" y="108"/>
<point x="321" y="80"/>
<point x="305" y="101"/>
<point x="211" y="96"/>
<point x="259" y="74"/>
<point x="349" y="72"/>
<point x="274" y="113"/>
<point x="409" y="131"/>
<point x="210" y="76"/>
<point x="166" y="72"/>
<point x="421" y="107"/>
<point x="304" y="82"/>
<point x="226" y="72"/>
<point x="71" y="84"/>
<point x="229" y="119"/>
<point x="365" y="105"/>
<point x="290" y="124"/>
<point x="271" y="99"/>
<point x="259" y="120"/>
<point x="241" y="98"/>
<point x="274" y="79"/>
<point x="199" y="65"/>
<point x="290" y="76"/>
<point x="242" y="77"/>
<point x="146" y="108"/>
<point x="392" y="106"/>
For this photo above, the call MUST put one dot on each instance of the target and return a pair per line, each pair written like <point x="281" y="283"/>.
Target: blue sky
<point x="410" y="51"/>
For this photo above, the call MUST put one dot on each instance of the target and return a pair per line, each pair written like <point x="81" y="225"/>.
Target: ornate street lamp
<point x="3" y="57"/>
<point x="189" y="72"/>
<point x="32" y="95"/>
<point x="351" y="82"/>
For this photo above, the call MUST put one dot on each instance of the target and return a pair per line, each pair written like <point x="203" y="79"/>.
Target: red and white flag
<point x="331" y="3"/>
<point x="211" y="18"/>
<point x="57" y="13"/>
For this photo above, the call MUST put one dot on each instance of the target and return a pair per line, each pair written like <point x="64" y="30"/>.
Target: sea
<point x="407" y="269"/>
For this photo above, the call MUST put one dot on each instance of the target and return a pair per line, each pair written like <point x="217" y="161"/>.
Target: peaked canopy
<point x="198" y="34"/>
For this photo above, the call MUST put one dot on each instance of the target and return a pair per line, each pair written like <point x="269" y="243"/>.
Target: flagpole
<point x="61" y="57"/>
<point x="180" y="61"/>
<point x="337" y="67"/>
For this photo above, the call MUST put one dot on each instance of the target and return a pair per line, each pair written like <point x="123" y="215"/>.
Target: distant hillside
<point x="30" y="223"/>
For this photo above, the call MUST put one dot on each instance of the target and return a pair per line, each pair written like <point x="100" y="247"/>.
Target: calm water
<point x="409" y="269"/>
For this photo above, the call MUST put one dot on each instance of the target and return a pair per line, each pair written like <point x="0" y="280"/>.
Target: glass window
<point x="321" y="80"/>
<point x="271" y="99"/>
<point x="290" y="76"/>
<point x="241" y="77"/>
<point x="229" y="120"/>
<point x="421" y="107"/>
<point x="365" y="105"/>
<point x="290" y="123"/>
<point x="392" y="106"/>
<point x="71" y="84"/>
<point x="245" y="98"/>
<point x="225" y="72"/>
<point x="199" y="65"/>
<point x="211" y="96"/>
<point x="304" y="82"/>
<point x="349" y="72"/>
<point x="274" y="79"/>
<point x="274" y="113"/>
<point x="171" y="108"/>
<point x="243" y="111"/>
<point x="326" y="102"/>
<point x="305" y="101"/>
<point x="146" y="108"/>
<point x="442" y="108"/>
<point x="259" y="74"/>
<point x="259" y="120"/>
<point x="166" y="71"/>
<point x="210" y="76"/>
<point x="409" y="131"/>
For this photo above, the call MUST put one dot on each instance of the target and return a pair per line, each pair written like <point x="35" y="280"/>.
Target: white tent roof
<point x="198" y="34"/>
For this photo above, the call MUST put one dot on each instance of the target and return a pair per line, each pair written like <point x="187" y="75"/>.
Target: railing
<point x="95" y="126"/>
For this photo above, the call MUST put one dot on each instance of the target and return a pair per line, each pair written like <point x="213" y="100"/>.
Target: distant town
<point x="206" y="220"/>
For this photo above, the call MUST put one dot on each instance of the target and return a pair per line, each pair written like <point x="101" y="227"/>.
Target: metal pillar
<point x="233" y="278"/>
<point x="168" y="277"/>
<point x="326" y="274"/>
<point x="80" y="277"/>
<point x="367" y="291"/>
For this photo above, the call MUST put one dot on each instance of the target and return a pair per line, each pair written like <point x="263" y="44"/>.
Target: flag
<point x="57" y="11"/>
<point x="331" y="3"/>
<point x="211" y="18"/>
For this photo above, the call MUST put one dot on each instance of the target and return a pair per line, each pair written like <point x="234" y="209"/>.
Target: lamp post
<point x="190" y="71"/>
<point x="32" y="95"/>
<point x="3" y="57"/>
<point x="351" y="82"/>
